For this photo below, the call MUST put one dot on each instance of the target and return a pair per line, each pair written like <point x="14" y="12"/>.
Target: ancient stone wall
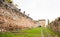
<point x="55" y="25"/>
<point x="11" y="18"/>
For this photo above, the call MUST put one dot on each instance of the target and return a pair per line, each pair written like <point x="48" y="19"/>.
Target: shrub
<point x="59" y="19"/>
<point x="10" y="1"/>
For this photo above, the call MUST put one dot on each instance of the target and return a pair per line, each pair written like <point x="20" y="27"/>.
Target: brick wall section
<point x="42" y="22"/>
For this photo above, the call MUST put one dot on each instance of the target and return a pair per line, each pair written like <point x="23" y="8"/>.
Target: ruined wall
<point x="55" y="25"/>
<point x="42" y="22"/>
<point x="11" y="18"/>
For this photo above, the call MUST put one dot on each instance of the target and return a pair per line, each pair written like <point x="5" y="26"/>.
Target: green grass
<point x="34" y="32"/>
<point x="48" y="32"/>
<point x="23" y="33"/>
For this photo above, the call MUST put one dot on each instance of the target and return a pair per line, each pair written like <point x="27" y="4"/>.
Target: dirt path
<point x="46" y="33"/>
<point x="42" y="35"/>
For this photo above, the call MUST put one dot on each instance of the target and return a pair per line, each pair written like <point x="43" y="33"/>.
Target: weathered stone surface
<point x="11" y="18"/>
<point x="55" y="25"/>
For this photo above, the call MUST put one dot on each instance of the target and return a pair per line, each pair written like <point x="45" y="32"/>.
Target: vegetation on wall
<point x="10" y="1"/>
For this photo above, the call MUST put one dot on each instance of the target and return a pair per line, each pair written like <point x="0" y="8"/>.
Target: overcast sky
<point x="40" y="9"/>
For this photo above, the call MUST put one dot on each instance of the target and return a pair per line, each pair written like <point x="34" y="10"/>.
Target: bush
<point x="59" y="19"/>
<point x="10" y="1"/>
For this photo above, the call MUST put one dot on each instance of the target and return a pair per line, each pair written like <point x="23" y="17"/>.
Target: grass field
<point x="35" y="32"/>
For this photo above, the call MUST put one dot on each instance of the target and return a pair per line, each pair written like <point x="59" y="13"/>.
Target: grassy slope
<point x="36" y="32"/>
<point x="23" y="33"/>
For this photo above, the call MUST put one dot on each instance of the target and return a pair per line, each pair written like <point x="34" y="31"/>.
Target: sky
<point x="40" y="9"/>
